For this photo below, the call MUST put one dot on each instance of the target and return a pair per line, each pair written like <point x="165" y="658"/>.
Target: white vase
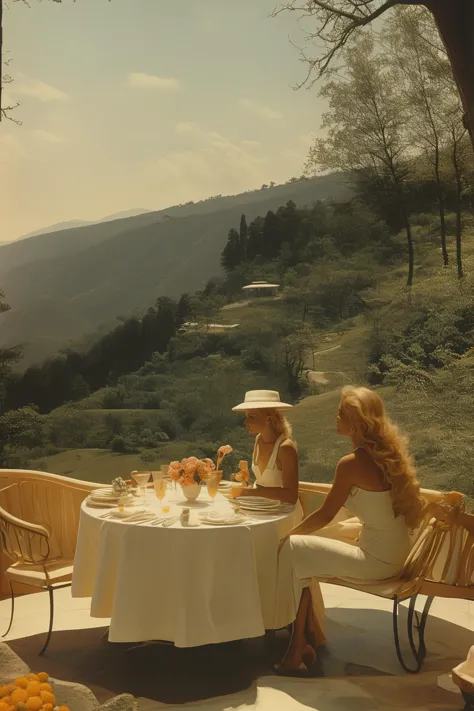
<point x="191" y="491"/>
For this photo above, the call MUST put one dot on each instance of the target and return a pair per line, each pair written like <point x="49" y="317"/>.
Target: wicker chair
<point x="28" y="546"/>
<point x="440" y="564"/>
<point x="45" y="499"/>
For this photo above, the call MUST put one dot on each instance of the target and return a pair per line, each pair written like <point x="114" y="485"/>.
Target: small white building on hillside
<point x="261" y="288"/>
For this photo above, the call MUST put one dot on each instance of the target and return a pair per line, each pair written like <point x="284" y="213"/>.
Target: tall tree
<point x="365" y="127"/>
<point x="336" y="21"/>
<point x="428" y="92"/>
<point x="230" y="257"/>
<point x="8" y="357"/>
<point x="243" y="239"/>
<point x="458" y="135"/>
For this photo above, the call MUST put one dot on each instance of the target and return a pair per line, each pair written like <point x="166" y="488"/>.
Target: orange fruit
<point x="45" y="686"/>
<point x="4" y="706"/>
<point x="33" y="688"/>
<point x="22" y="682"/>
<point x="47" y="697"/>
<point x="20" y="707"/>
<point x="18" y="695"/>
<point x="42" y="676"/>
<point x="32" y="677"/>
<point x="34" y="703"/>
<point x="48" y="707"/>
<point x="5" y="690"/>
<point x="63" y="708"/>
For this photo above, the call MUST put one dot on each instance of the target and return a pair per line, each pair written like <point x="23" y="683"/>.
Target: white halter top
<point x="271" y="476"/>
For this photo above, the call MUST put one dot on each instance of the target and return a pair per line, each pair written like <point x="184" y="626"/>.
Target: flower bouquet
<point x="189" y="473"/>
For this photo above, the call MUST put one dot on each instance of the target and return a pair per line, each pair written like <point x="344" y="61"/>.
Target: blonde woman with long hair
<point x="377" y="484"/>
<point x="275" y="457"/>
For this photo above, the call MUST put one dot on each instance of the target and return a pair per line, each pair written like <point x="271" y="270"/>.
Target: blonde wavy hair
<point x="279" y="422"/>
<point x="372" y="429"/>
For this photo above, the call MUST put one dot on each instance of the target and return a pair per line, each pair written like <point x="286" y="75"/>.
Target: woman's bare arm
<point x="343" y="482"/>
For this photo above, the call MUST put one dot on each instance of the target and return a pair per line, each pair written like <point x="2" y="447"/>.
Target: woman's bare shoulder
<point x="288" y="444"/>
<point x="348" y="462"/>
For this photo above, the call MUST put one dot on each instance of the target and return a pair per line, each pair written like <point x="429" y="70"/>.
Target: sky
<point x="147" y="104"/>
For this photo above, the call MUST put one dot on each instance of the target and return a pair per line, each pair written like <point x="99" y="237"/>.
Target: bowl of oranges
<point x="31" y="692"/>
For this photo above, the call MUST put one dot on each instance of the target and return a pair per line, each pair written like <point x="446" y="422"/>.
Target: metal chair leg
<point x="51" y="617"/>
<point x="468" y="700"/>
<point x="419" y="653"/>
<point x="12" y="593"/>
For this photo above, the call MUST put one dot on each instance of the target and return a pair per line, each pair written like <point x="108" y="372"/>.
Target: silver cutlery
<point x="154" y="521"/>
<point x="170" y="522"/>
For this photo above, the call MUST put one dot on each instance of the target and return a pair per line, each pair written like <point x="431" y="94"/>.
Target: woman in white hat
<point x="275" y="466"/>
<point x="275" y="458"/>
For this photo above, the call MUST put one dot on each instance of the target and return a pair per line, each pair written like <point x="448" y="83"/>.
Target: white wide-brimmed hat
<point x="262" y="400"/>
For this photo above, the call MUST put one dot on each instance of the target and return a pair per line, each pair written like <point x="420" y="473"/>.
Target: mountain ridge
<point x="72" y="224"/>
<point x="60" y="289"/>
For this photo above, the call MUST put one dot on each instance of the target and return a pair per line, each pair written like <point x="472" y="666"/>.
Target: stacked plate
<point x="222" y="519"/>
<point x="106" y="498"/>
<point x="261" y="505"/>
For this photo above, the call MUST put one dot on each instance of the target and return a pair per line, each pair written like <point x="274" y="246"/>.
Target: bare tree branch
<point x="7" y="79"/>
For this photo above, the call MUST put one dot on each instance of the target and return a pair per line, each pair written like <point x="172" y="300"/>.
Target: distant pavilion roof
<point x="261" y="285"/>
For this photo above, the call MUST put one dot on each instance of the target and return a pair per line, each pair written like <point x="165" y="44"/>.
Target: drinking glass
<point x="160" y="485"/>
<point x="244" y="469"/>
<point x="212" y="483"/>
<point x="141" y="479"/>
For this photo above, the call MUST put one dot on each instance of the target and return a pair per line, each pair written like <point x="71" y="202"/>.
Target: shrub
<point x="118" y="444"/>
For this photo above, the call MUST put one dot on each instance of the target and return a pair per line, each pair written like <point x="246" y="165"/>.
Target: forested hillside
<point x="64" y="285"/>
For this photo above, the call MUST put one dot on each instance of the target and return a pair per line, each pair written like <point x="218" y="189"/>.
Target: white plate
<point x="257" y="503"/>
<point x="112" y="502"/>
<point x="234" y="521"/>
<point x="103" y="504"/>
<point x="100" y="504"/>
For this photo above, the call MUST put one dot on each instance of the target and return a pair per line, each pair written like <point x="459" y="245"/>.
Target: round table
<point x="190" y="585"/>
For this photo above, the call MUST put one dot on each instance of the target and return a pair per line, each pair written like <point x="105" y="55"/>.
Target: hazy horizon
<point x="147" y="106"/>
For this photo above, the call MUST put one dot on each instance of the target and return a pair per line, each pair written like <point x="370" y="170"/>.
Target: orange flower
<point x="225" y="449"/>
<point x="205" y="467"/>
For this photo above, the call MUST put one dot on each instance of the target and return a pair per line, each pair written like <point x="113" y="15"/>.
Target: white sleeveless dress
<point x="272" y="476"/>
<point x="379" y="553"/>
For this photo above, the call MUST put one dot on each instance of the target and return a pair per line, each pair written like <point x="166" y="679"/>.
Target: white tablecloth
<point x="190" y="586"/>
